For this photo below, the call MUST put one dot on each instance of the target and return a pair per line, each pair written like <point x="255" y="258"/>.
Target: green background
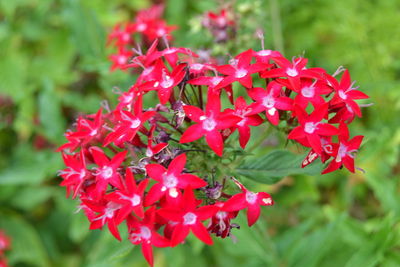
<point x="53" y="67"/>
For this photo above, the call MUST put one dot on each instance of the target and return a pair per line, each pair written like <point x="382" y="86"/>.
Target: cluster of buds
<point x="220" y="24"/>
<point x="144" y="163"/>
<point x="4" y="245"/>
<point x="148" y="26"/>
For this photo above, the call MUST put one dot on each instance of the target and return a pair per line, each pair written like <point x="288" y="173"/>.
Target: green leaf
<point x="26" y="244"/>
<point x="275" y="165"/>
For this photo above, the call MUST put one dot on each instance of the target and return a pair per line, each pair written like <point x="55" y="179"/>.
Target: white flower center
<point x="342" y="94"/>
<point x="240" y="73"/>
<point x="168" y="82"/>
<point x="251" y="197"/>
<point x="189" y="218"/>
<point x="141" y="27"/>
<point x="310" y="127"/>
<point x="215" y="80"/>
<point x="135" y="200"/>
<point x="196" y="66"/>
<point x="209" y="124"/>
<point x="121" y="60"/>
<point x="221" y="215"/>
<point x="107" y="172"/>
<point x="170" y="181"/>
<point x="264" y="53"/>
<point x="308" y="91"/>
<point x="145" y="232"/>
<point x="292" y="72"/>
<point x="135" y="123"/>
<point x="341" y="152"/>
<point x="268" y="101"/>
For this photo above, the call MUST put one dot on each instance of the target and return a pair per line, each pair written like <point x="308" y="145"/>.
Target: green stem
<point x="276" y="25"/>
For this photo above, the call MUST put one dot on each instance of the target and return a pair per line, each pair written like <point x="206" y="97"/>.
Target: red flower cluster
<point x="4" y="245"/>
<point x="148" y="24"/>
<point x="221" y="25"/>
<point x="129" y="165"/>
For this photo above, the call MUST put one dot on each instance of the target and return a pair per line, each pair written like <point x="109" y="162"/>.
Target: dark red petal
<point x="154" y="194"/>
<point x="191" y="180"/>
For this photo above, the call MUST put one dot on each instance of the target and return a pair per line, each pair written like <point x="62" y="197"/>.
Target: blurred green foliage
<point x="53" y="65"/>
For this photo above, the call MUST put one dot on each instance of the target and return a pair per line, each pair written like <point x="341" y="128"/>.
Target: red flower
<point x="293" y="71"/>
<point x="106" y="172"/>
<point x="171" y="180"/>
<point x="144" y="233"/>
<point x="344" y="152"/>
<point x="240" y="70"/>
<point x="188" y="217"/>
<point x="270" y="100"/>
<point x="250" y="200"/>
<point x="165" y="81"/>
<point x="248" y="118"/>
<point x="312" y="128"/>
<point x="129" y="196"/>
<point x="75" y="174"/>
<point x="128" y="124"/>
<point x="209" y="123"/>
<point x="345" y="93"/>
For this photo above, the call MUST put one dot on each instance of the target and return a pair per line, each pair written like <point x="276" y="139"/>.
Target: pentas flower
<point x="345" y="151"/>
<point x="240" y="70"/>
<point x="144" y="233"/>
<point x="270" y="101"/>
<point x="209" y="123"/>
<point x="188" y="217"/>
<point x="170" y="180"/>
<point x="86" y="132"/>
<point x="106" y="173"/>
<point x="154" y="149"/>
<point x="146" y="166"/>
<point x="105" y="214"/>
<point x="128" y="124"/>
<point x="165" y="81"/>
<point x="250" y="200"/>
<point x="120" y="59"/>
<point x="220" y="223"/>
<point x="75" y="174"/>
<point x="345" y="93"/>
<point x="312" y="128"/>
<point x="129" y="196"/>
<point x="248" y="118"/>
<point x="5" y="243"/>
<point x="293" y="71"/>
